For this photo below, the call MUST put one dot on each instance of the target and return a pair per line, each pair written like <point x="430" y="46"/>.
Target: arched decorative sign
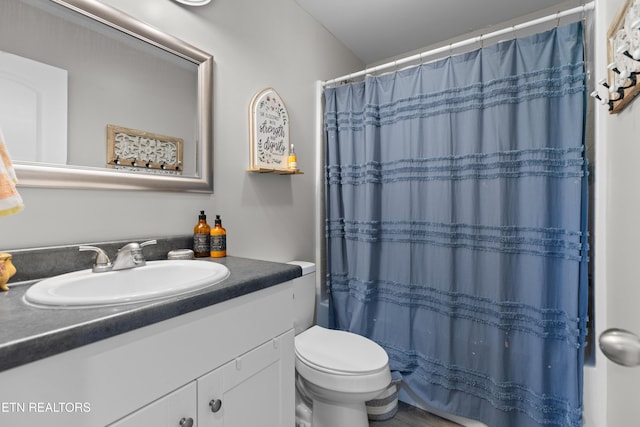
<point x="269" y="128"/>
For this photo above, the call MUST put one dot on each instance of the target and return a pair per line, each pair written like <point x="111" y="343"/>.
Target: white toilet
<point x="336" y="371"/>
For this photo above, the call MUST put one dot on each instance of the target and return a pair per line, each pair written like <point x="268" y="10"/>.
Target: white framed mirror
<point x="120" y="72"/>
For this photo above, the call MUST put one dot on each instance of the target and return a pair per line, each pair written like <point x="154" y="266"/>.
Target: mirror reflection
<point x="66" y="78"/>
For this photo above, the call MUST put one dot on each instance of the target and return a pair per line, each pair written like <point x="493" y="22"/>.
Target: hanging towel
<point x="10" y="200"/>
<point x="385" y="405"/>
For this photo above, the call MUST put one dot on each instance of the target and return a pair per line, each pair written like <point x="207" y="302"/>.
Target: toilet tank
<point x="304" y="296"/>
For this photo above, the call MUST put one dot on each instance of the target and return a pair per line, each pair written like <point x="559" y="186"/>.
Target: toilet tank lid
<point x="307" y="267"/>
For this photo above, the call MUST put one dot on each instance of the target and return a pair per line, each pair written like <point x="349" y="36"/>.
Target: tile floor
<point x="409" y="416"/>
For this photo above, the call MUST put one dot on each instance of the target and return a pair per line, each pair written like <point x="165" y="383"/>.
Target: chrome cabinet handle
<point x="186" y="422"/>
<point x="215" y="405"/>
<point x="621" y="347"/>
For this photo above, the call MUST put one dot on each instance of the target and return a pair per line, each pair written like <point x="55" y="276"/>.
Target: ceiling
<point x="375" y="30"/>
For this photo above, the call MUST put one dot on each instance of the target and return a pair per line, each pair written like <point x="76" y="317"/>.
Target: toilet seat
<point x="339" y="352"/>
<point x="341" y="361"/>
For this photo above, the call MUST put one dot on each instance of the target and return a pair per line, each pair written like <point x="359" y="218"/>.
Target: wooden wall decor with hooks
<point x="623" y="49"/>
<point x="134" y="150"/>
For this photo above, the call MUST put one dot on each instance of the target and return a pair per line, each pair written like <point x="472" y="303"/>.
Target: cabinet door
<point x="255" y="389"/>
<point x="177" y="409"/>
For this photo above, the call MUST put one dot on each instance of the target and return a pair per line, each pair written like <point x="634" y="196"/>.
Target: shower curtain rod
<point x="478" y="39"/>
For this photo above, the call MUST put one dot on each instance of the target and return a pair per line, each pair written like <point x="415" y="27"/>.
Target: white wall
<point x="255" y="44"/>
<point x="595" y="376"/>
<point x="611" y="391"/>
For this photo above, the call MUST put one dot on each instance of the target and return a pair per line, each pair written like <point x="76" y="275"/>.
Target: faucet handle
<point x="139" y="257"/>
<point x="148" y="242"/>
<point x="134" y="251"/>
<point x="103" y="263"/>
<point x="135" y="246"/>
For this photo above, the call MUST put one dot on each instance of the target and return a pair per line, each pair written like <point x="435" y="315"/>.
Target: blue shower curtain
<point x="456" y="226"/>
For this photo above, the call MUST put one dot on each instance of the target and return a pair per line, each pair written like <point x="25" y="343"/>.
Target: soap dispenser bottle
<point x="201" y="239"/>
<point x="218" y="239"/>
<point x="292" y="160"/>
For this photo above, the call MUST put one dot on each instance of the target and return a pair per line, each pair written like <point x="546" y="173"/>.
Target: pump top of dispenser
<point x="202" y="215"/>
<point x="218" y="220"/>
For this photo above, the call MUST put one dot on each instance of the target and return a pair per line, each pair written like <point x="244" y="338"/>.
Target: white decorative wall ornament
<point x="621" y="85"/>
<point x="135" y="151"/>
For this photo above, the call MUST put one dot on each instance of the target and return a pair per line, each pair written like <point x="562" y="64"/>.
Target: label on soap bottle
<point x="293" y="162"/>
<point x="200" y="243"/>
<point x="218" y="243"/>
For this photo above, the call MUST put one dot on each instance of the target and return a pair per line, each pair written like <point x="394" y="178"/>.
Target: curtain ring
<point x="558" y="19"/>
<point x="515" y="32"/>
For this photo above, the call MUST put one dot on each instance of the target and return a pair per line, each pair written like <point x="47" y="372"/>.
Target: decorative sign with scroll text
<point x="269" y="132"/>
<point x="136" y="151"/>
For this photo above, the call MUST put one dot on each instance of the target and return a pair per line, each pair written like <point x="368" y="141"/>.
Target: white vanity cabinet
<point x="247" y="391"/>
<point x="238" y="354"/>
<point x="177" y="409"/>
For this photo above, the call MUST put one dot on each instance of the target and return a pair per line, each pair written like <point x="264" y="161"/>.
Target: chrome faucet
<point x="128" y="256"/>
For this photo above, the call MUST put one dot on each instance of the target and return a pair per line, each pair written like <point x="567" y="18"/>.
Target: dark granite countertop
<point x="30" y="333"/>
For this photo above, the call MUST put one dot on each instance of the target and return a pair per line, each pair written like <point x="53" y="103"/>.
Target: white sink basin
<point x="155" y="280"/>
